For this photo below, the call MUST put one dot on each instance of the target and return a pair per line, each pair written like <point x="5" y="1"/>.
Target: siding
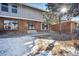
<point x="24" y="12"/>
<point x="38" y="26"/>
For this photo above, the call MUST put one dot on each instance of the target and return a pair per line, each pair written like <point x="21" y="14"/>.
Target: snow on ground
<point x="16" y="46"/>
<point x="22" y="46"/>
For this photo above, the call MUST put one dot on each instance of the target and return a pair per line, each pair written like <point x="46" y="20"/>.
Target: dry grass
<point x="64" y="45"/>
<point x="60" y="47"/>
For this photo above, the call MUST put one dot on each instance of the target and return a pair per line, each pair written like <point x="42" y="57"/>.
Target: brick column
<point x="23" y="26"/>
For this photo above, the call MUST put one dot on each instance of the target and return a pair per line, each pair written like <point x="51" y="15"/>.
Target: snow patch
<point x="15" y="46"/>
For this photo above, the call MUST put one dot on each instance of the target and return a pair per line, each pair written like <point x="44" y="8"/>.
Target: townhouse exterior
<point x="15" y="17"/>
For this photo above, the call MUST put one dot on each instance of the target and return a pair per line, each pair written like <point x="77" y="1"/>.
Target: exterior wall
<point x="67" y="27"/>
<point x="9" y="13"/>
<point x="24" y="12"/>
<point x="1" y="24"/>
<point x="23" y="15"/>
<point x="32" y="14"/>
<point x="38" y="26"/>
<point x="23" y="25"/>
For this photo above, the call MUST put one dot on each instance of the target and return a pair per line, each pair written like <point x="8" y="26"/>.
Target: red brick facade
<point x="22" y="25"/>
<point x="67" y="27"/>
<point x="37" y="26"/>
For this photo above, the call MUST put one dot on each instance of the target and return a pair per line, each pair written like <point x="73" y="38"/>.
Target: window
<point x="44" y="26"/>
<point x="14" y="8"/>
<point x="4" y="7"/>
<point x="31" y="25"/>
<point x="10" y="25"/>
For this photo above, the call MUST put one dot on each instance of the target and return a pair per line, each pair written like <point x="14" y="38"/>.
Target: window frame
<point x="4" y="6"/>
<point x="14" y="7"/>
<point x="31" y="25"/>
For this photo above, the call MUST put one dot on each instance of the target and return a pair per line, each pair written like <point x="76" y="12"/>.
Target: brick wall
<point x="37" y="26"/>
<point x="23" y="25"/>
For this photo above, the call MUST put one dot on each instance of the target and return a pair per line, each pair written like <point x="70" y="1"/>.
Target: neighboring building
<point x="66" y="27"/>
<point x="21" y="18"/>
